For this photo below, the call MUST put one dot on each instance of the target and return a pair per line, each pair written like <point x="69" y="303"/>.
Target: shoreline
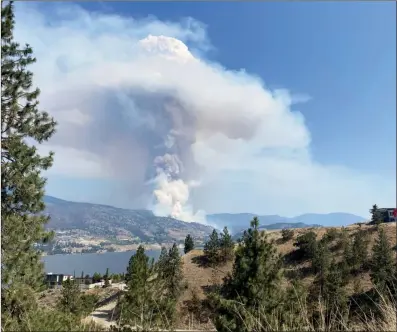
<point x="118" y="249"/>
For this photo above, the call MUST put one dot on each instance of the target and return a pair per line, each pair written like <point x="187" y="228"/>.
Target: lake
<point x="117" y="262"/>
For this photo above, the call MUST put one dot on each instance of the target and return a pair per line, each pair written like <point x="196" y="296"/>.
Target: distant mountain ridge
<point x="239" y="221"/>
<point x="104" y="220"/>
<point x="277" y="226"/>
<point x="108" y="221"/>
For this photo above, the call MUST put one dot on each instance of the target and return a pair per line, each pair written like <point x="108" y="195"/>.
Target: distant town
<point x="77" y="241"/>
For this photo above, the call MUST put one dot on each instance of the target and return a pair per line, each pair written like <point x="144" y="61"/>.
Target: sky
<point x="195" y="108"/>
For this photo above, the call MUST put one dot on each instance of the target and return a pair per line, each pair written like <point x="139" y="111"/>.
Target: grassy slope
<point x="198" y="277"/>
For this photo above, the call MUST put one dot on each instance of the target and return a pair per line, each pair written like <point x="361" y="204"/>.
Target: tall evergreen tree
<point x="189" y="244"/>
<point x="227" y="245"/>
<point x="383" y="265"/>
<point x="70" y="300"/>
<point x="211" y="247"/>
<point x="344" y="265"/>
<point x="22" y="187"/>
<point x="173" y="274"/>
<point x="162" y="261"/>
<point x="169" y="278"/>
<point x="376" y="216"/>
<point x="96" y="277"/>
<point x="252" y="291"/>
<point x="106" y="278"/>
<point x="138" y="301"/>
<point x="306" y="244"/>
<point x="359" y="251"/>
<point x="321" y="258"/>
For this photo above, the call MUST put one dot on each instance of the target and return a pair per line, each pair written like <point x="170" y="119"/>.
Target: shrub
<point x="330" y="235"/>
<point x="287" y="234"/>
<point x="306" y="243"/>
<point x="88" y="302"/>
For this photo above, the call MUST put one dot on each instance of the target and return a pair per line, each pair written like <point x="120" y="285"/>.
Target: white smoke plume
<point x="140" y="107"/>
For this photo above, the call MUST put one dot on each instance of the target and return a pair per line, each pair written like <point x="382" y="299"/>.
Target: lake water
<point x="117" y="262"/>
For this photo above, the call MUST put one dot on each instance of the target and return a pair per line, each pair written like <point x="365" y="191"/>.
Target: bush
<point x="306" y="243"/>
<point x="287" y="234"/>
<point x="330" y="235"/>
<point x="88" y="302"/>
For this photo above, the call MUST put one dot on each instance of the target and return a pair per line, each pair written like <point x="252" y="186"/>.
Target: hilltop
<point x="200" y="278"/>
<point x="237" y="222"/>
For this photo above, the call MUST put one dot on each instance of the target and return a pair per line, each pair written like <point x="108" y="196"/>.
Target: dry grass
<point x="50" y="297"/>
<point x="385" y="319"/>
<point x="199" y="277"/>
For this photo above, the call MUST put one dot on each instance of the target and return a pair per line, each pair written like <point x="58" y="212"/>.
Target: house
<point x="388" y="214"/>
<point x="84" y="281"/>
<point x="54" y="280"/>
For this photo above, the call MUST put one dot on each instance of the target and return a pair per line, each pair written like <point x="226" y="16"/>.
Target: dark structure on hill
<point x="388" y="214"/>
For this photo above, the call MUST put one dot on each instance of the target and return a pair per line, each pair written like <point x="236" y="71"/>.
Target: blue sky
<point x="341" y="55"/>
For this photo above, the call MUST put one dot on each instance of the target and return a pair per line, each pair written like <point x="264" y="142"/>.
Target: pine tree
<point x="173" y="273"/>
<point x="334" y="293"/>
<point x="106" y="278"/>
<point x="96" y="277"/>
<point x="227" y="245"/>
<point x="22" y="187"/>
<point x="252" y="290"/>
<point x="169" y="270"/>
<point x="169" y="276"/>
<point x="71" y="298"/>
<point x="359" y="251"/>
<point x="344" y="265"/>
<point x="162" y="261"/>
<point x="328" y="286"/>
<point x="144" y="301"/>
<point x="376" y="217"/>
<point x="321" y="258"/>
<point x="383" y="265"/>
<point x="306" y="244"/>
<point x="211" y="248"/>
<point x="189" y="244"/>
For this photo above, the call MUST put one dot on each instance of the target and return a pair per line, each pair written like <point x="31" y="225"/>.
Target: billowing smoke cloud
<point x="137" y="106"/>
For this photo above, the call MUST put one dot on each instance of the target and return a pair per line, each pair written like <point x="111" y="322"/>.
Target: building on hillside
<point x="84" y="281"/>
<point x="54" y="280"/>
<point x="389" y="214"/>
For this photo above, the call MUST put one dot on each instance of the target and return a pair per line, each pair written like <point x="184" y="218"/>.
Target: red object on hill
<point x="395" y="213"/>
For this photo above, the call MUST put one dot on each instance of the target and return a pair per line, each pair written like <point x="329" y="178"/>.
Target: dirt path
<point x="103" y="315"/>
